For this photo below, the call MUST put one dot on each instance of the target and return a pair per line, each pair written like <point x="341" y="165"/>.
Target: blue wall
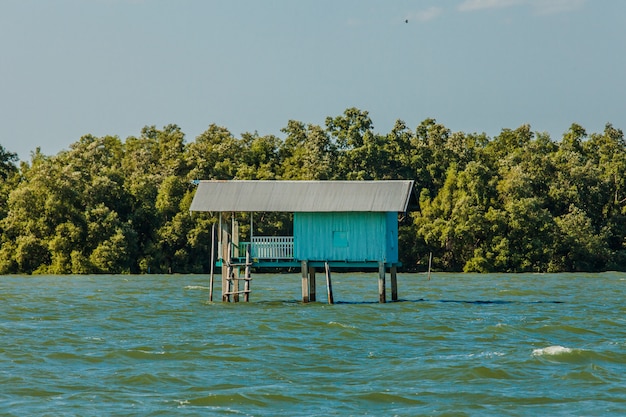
<point x="346" y="236"/>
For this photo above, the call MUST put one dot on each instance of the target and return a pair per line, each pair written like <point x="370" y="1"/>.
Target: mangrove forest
<point x="517" y="202"/>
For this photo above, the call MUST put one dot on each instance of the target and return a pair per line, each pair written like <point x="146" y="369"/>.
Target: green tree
<point x="26" y="227"/>
<point x="608" y="152"/>
<point x="156" y="169"/>
<point x="399" y="151"/>
<point x="7" y="163"/>
<point x="523" y="230"/>
<point x="454" y="224"/>
<point x="49" y="210"/>
<point x="579" y="246"/>
<point x="215" y="155"/>
<point x="432" y="156"/>
<point x="68" y="238"/>
<point x="361" y="151"/>
<point x="261" y="160"/>
<point x="8" y="179"/>
<point x="308" y="153"/>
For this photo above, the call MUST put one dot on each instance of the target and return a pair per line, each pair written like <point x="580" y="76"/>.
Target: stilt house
<point x="336" y="224"/>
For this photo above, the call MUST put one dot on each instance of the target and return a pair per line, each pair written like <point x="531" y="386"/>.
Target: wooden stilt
<point x="312" y="295"/>
<point x="235" y="253"/>
<point x="382" y="298"/>
<point x="430" y="263"/>
<point x="228" y="289"/>
<point x="246" y="287"/>
<point x="234" y="284"/>
<point x="212" y="277"/>
<point x="329" y="284"/>
<point x="225" y="256"/>
<point x="305" y="282"/>
<point x="394" y="282"/>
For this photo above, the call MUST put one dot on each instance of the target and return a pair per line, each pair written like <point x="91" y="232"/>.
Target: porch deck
<point x="278" y="252"/>
<point x="266" y="252"/>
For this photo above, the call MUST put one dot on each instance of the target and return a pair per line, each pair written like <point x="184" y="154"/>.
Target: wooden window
<point x="340" y="239"/>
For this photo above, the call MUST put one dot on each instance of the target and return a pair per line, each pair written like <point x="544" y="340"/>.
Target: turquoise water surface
<point x="459" y="344"/>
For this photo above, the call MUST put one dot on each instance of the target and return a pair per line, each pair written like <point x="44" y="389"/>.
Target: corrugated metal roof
<point x="302" y="196"/>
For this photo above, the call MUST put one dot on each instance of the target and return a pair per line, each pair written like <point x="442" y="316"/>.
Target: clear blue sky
<point x="72" y="67"/>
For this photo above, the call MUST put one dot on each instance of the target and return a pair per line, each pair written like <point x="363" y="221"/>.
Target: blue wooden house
<point x="336" y="224"/>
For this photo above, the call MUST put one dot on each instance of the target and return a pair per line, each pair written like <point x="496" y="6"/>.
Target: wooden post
<point x="212" y="278"/>
<point x="225" y="256"/>
<point x="246" y="287"/>
<point x="235" y="254"/>
<point x="305" y="282"/>
<point x="430" y="263"/>
<point x="329" y="284"/>
<point x="382" y="298"/>
<point x="312" y="295"/>
<point x="394" y="282"/>
<point x="229" y="275"/>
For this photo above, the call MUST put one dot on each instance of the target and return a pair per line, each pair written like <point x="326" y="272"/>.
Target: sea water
<point x="454" y="345"/>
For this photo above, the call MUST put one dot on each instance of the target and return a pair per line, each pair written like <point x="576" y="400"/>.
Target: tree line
<point x="517" y="202"/>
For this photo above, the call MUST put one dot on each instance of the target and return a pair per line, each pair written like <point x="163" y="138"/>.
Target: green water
<point x="515" y="345"/>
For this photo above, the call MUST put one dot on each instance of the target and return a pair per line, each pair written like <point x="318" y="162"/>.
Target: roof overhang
<point x="302" y="196"/>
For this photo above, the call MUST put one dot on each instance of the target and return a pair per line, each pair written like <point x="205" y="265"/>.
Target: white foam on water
<point x="485" y="354"/>
<point x="94" y="338"/>
<point x="150" y="352"/>
<point x="552" y="350"/>
<point x="196" y="287"/>
<point x="345" y="326"/>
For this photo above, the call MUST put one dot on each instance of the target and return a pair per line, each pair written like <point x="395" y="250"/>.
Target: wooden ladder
<point x="233" y="279"/>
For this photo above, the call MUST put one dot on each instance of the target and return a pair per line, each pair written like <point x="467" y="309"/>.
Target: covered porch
<point x="265" y="252"/>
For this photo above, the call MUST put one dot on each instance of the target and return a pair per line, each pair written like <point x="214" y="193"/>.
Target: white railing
<point x="271" y="247"/>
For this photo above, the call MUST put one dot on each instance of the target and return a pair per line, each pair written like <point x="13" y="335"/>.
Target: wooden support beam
<point x="246" y="287"/>
<point x="305" y="282"/>
<point x="235" y="254"/>
<point x="329" y="285"/>
<point x="430" y="264"/>
<point x="394" y="282"/>
<point x="225" y="256"/>
<point x="229" y="283"/>
<point x="382" y="298"/>
<point x="312" y="295"/>
<point x="212" y="277"/>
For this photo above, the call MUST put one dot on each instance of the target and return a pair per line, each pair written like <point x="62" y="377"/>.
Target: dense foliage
<point x="516" y="202"/>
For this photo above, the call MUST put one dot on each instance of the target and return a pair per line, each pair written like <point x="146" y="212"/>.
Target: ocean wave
<point x="552" y="351"/>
